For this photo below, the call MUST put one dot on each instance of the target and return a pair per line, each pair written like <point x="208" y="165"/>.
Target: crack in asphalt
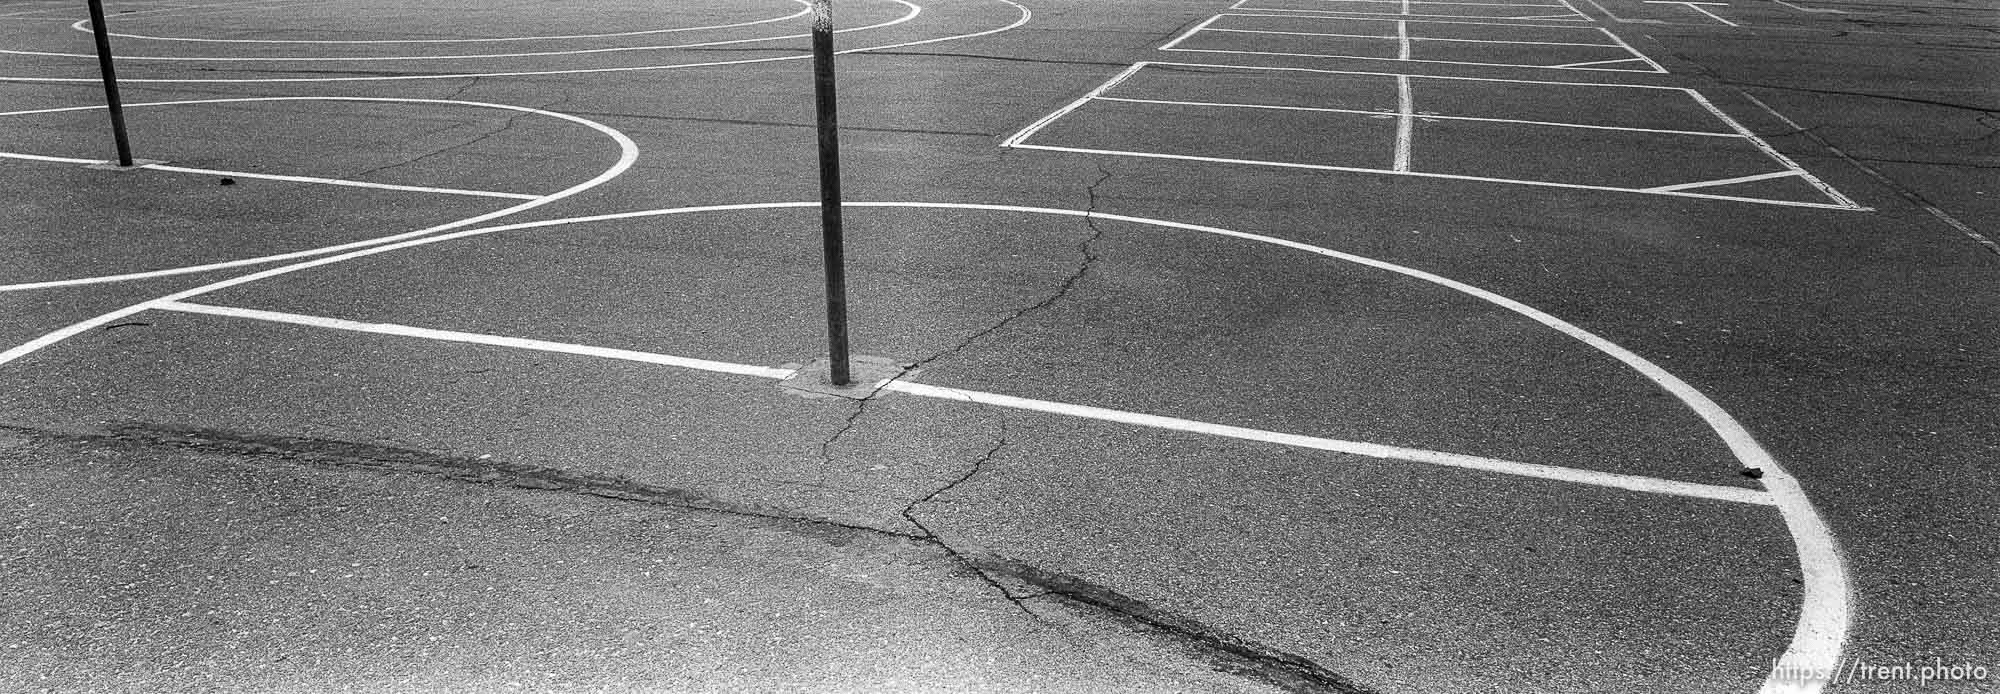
<point x="1866" y="95"/>
<point x="1221" y="650"/>
<point x="1908" y="193"/>
<point x="971" y="563"/>
<point x="1087" y="248"/>
<point x="506" y="124"/>
<point x="1230" y="653"/>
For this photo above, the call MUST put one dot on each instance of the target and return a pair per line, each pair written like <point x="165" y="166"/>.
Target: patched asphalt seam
<point x="1223" y="651"/>
<point x="500" y="473"/>
<point x="1227" y="652"/>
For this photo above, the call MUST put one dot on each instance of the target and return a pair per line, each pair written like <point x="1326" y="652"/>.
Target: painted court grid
<point x="1397" y="30"/>
<point x="1408" y="113"/>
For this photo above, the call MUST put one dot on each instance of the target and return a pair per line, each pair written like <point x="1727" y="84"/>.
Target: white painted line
<point x="1711" y="15"/>
<point x="1814" y="10"/>
<point x="1406" y="119"/>
<point x="1402" y="40"/>
<point x="52" y="160"/>
<point x="1621" y="43"/>
<point x="1044" y="121"/>
<point x="474" y="338"/>
<point x="1411" y="3"/>
<point x="84" y="26"/>
<point x="1024" y="18"/>
<point x="1825" y="610"/>
<point x="1301" y="33"/>
<point x="1772" y="151"/>
<point x="1268" y="107"/>
<point x="1584" y="66"/>
<point x="343" y="182"/>
<point x="1427" y="116"/>
<point x="282" y="177"/>
<point x="1727" y="181"/>
<point x="1570" y="66"/>
<point x="914" y="10"/>
<point x="1451" y="177"/>
<point x="1682" y="2"/>
<point x="1912" y="198"/>
<point x="628" y="155"/>
<point x="1636" y="483"/>
<point x="1267" y="68"/>
<point x="1381" y="17"/>
<point x="1361" y="14"/>
<point x="1190" y="32"/>
<point x="1840" y="201"/>
<point x="1515" y="43"/>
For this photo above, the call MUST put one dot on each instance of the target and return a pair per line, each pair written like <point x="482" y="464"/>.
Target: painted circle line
<point x="83" y="25"/>
<point x="907" y="16"/>
<point x="628" y="154"/>
<point x="1825" y="612"/>
<point x="1025" y="16"/>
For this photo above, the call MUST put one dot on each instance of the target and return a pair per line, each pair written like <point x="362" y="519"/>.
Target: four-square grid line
<point x="1611" y="137"/>
<point x="1424" y="41"/>
<point x="1558" y="11"/>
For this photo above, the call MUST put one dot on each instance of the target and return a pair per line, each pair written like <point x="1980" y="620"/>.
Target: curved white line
<point x="1825" y="610"/>
<point x="84" y="26"/>
<point x="627" y="155"/>
<point x="1026" y="15"/>
<point x="914" y="10"/>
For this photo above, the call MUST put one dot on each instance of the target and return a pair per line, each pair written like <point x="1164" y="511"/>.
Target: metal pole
<point x="111" y="100"/>
<point x="829" y="192"/>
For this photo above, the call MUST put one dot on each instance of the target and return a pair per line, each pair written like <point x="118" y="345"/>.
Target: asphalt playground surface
<point x="1254" y="345"/>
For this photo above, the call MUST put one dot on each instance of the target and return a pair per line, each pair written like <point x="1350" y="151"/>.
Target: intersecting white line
<point x="1653" y="485"/>
<point x="1406" y="118"/>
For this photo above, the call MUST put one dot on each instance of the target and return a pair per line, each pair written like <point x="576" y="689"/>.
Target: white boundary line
<point x="280" y="177"/>
<point x="1726" y="181"/>
<point x="1190" y="32"/>
<point x="628" y="154"/>
<point x="1813" y="10"/>
<point x="1382" y="18"/>
<point x="83" y="25"/>
<point x="1841" y="202"/>
<point x="1575" y="17"/>
<point x="473" y="338"/>
<point x="1404" y="36"/>
<point x="1696" y="6"/>
<point x="1571" y="66"/>
<point x="1406" y="121"/>
<point x="1635" y="483"/>
<point x="1016" y="138"/>
<point x="1711" y="15"/>
<point x="1649" y="61"/>
<point x="1024" y="18"/>
<point x="914" y="10"/>
<point x="1426" y="116"/>
<point x="1825" y="610"/>
<point x="1772" y="151"/>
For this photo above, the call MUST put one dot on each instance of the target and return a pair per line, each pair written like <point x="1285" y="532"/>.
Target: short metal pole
<point x="111" y="100"/>
<point x="829" y="192"/>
